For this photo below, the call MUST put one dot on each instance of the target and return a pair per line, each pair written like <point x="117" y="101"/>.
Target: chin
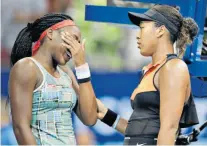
<point x="62" y="62"/>
<point x="146" y="54"/>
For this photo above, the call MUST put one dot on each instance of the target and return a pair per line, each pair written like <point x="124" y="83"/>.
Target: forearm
<point x="167" y="136"/>
<point x="87" y="103"/>
<point x="113" y="120"/>
<point x="122" y="125"/>
<point x="24" y="135"/>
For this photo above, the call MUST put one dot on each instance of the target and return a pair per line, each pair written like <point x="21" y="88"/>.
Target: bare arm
<point x="122" y="125"/>
<point x="173" y="83"/>
<point x="87" y="106"/>
<point x="102" y="110"/>
<point x="21" y="85"/>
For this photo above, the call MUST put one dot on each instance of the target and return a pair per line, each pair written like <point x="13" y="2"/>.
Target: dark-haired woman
<point x="43" y="92"/>
<point x="162" y="102"/>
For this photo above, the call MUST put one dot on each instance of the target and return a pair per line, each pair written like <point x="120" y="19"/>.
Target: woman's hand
<point x="102" y="110"/>
<point x="76" y="48"/>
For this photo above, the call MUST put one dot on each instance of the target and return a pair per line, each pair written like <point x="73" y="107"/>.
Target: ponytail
<point x="22" y="46"/>
<point x="187" y="34"/>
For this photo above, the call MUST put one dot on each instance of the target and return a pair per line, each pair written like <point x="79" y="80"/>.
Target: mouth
<point x="138" y="44"/>
<point x="68" y="53"/>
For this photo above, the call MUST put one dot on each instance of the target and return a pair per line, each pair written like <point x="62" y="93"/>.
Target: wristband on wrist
<point x="83" y="73"/>
<point x="84" y="80"/>
<point x="116" y="122"/>
<point x="109" y="118"/>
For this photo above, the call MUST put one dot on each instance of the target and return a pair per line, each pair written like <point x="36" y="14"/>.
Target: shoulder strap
<point x="37" y="63"/>
<point x="169" y="57"/>
<point x="41" y="68"/>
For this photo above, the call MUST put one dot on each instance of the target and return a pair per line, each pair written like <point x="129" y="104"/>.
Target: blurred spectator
<point x="131" y="58"/>
<point x="115" y="53"/>
<point x="15" y="16"/>
<point x="109" y="47"/>
<point x="61" y="6"/>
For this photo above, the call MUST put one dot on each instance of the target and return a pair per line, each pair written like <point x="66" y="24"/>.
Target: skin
<point x="173" y="81"/>
<point x="26" y="75"/>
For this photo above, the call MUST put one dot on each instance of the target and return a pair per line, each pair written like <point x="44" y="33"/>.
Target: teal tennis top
<point x="52" y="106"/>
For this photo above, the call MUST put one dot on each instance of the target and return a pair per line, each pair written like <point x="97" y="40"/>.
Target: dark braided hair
<point x="23" y="44"/>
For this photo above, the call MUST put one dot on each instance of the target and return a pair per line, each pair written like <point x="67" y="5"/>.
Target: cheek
<point x="58" y="51"/>
<point x="148" y="44"/>
<point x="61" y="50"/>
<point x="149" y="38"/>
<point x="58" y="45"/>
<point x="146" y="39"/>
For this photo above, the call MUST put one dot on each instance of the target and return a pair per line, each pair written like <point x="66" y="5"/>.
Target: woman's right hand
<point x="102" y="110"/>
<point x="76" y="48"/>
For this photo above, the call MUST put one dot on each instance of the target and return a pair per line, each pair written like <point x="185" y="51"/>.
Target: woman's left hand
<point x="76" y="48"/>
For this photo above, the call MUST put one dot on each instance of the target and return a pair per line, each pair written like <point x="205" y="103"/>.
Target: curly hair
<point x="187" y="27"/>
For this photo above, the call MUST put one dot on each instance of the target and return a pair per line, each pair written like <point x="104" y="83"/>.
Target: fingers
<point x="72" y="51"/>
<point x="68" y="40"/>
<point x="83" y="44"/>
<point x="71" y="38"/>
<point x="69" y="43"/>
<point x="76" y="48"/>
<point x="98" y="101"/>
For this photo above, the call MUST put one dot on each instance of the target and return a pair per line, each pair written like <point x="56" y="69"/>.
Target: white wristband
<point x="116" y="122"/>
<point x="83" y="71"/>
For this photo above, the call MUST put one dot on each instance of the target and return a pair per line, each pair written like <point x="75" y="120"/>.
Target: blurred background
<point x="111" y="52"/>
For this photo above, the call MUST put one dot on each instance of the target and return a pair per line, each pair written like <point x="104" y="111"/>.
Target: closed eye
<point x="76" y="38"/>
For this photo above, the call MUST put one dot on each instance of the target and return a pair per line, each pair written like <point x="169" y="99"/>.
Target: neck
<point x="162" y="51"/>
<point x="44" y="57"/>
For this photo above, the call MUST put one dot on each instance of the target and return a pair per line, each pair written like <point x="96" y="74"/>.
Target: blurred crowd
<point x="109" y="47"/>
<point x="115" y="53"/>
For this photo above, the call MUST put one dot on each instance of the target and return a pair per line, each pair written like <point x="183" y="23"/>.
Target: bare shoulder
<point x="24" y="68"/>
<point x="175" y="67"/>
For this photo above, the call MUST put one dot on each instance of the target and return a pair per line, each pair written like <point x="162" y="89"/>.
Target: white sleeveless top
<point x="52" y="106"/>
